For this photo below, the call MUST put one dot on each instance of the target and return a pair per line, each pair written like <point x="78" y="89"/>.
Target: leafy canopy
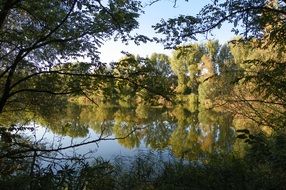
<point x="38" y="37"/>
<point x="261" y="19"/>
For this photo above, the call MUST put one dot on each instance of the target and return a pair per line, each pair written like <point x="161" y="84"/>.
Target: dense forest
<point x="219" y="110"/>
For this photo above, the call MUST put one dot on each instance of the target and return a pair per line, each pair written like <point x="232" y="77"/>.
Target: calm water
<point x="125" y="131"/>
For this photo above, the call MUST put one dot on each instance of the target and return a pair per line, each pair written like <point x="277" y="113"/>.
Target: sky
<point x="111" y="51"/>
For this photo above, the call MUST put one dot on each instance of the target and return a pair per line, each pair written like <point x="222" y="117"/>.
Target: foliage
<point x="150" y="79"/>
<point x="250" y="19"/>
<point x="246" y="77"/>
<point x="153" y="171"/>
<point x="39" y="40"/>
<point x="248" y="74"/>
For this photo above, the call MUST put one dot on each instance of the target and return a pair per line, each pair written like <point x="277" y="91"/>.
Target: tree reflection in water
<point x="191" y="135"/>
<point x="40" y="159"/>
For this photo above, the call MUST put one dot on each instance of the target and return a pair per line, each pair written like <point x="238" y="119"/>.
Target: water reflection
<point x="190" y="135"/>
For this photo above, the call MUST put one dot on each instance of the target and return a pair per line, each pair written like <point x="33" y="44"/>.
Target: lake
<point x="108" y="132"/>
<point x="107" y="147"/>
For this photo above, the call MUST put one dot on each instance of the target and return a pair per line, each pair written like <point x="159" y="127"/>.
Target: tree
<point x="260" y="91"/>
<point x="250" y="19"/>
<point x="39" y="37"/>
<point x="184" y="62"/>
<point x="138" y="80"/>
<point x="257" y="84"/>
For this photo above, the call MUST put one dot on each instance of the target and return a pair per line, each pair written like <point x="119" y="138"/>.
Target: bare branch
<point x="42" y="91"/>
<point x="90" y="99"/>
<point x="29" y="148"/>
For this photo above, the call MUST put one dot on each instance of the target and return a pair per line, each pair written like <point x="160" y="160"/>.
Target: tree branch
<point x="42" y="91"/>
<point x="30" y="148"/>
<point x="93" y="76"/>
<point x="38" y="44"/>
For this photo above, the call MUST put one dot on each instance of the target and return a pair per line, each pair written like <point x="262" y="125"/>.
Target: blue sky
<point x="111" y="51"/>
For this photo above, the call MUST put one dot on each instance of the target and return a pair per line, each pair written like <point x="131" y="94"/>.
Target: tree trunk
<point x="7" y="87"/>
